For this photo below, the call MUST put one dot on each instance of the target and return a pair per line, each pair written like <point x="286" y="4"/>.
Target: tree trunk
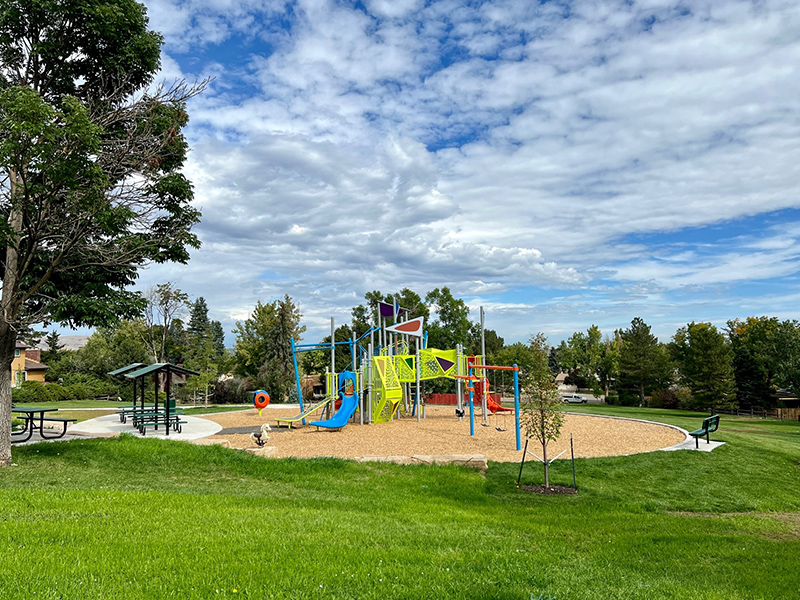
<point x="544" y="453"/>
<point x="8" y="340"/>
<point x="8" y="332"/>
<point x="546" y="466"/>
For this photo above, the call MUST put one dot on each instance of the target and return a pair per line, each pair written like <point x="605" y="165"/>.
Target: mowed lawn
<point x="145" y="518"/>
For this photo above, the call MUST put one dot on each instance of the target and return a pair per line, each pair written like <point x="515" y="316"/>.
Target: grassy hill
<point x="146" y="518"/>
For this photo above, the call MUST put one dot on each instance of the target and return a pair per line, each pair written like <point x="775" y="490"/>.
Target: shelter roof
<point x="160" y="368"/>
<point x="127" y="369"/>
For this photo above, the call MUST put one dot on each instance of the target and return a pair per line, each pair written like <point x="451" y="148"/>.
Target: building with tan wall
<point x="26" y="365"/>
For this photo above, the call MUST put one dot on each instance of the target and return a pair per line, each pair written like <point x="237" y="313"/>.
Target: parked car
<point x="574" y="399"/>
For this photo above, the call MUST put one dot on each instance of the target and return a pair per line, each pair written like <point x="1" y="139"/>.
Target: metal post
<point x="155" y="385"/>
<point x="166" y="402"/>
<point x="483" y="371"/>
<point x="471" y="388"/>
<point x="370" y="391"/>
<point x="419" y="385"/>
<point x="334" y="381"/>
<point x="459" y="390"/>
<point x="297" y="379"/>
<point x="572" y="454"/>
<point x="353" y="352"/>
<point x="522" y="463"/>
<point x="516" y="405"/>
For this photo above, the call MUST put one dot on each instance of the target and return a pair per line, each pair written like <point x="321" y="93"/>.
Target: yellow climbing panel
<point x="384" y="379"/>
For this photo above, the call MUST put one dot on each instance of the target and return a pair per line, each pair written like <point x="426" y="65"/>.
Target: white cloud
<point x="489" y="148"/>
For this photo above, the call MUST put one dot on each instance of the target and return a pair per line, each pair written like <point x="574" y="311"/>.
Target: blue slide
<point x="348" y="407"/>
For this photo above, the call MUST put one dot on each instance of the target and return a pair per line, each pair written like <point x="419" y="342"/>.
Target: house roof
<point x="32" y="365"/>
<point x="20" y="345"/>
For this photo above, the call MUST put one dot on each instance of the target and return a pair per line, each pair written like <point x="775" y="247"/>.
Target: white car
<point x="574" y="399"/>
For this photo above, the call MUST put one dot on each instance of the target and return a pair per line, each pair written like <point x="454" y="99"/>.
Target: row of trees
<point x="172" y="329"/>
<point x="748" y="364"/>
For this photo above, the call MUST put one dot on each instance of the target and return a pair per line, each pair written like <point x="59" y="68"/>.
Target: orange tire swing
<point x="261" y="400"/>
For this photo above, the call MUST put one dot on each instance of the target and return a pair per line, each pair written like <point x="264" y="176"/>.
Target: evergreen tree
<point x="218" y="338"/>
<point x="199" y="325"/>
<point x="263" y="346"/>
<point x="705" y="363"/>
<point x="54" y="347"/>
<point x="644" y="363"/>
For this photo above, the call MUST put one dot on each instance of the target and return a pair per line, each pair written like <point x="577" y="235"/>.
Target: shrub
<point x="664" y="399"/>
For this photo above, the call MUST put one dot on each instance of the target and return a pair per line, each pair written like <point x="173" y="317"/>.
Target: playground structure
<point x="385" y="375"/>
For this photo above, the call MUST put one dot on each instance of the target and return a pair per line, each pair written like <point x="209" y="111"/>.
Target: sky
<point x="561" y="164"/>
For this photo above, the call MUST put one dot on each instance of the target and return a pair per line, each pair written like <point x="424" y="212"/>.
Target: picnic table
<point x="34" y="421"/>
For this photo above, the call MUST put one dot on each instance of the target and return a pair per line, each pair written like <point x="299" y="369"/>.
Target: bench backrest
<point x="710" y="424"/>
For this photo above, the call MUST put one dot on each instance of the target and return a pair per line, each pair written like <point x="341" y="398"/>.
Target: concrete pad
<point x="689" y="444"/>
<point x="194" y="428"/>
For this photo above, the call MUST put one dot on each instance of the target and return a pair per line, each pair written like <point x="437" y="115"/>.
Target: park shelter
<point x="138" y="371"/>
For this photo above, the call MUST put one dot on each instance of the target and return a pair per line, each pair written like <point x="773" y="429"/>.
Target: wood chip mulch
<point x="442" y="433"/>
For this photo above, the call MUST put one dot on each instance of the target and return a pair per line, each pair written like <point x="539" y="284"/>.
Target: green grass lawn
<point x="146" y="518"/>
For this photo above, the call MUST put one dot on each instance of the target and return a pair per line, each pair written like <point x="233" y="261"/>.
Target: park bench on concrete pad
<point x="710" y="425"/>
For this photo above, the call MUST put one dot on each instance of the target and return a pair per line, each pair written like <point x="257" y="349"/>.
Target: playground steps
<point x="473" y="461"/>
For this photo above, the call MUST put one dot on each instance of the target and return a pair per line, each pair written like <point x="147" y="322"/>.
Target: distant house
<point x="26" y="365"/>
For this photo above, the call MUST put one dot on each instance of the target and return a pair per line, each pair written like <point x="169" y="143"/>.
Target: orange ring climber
<point x="261" y="400"/>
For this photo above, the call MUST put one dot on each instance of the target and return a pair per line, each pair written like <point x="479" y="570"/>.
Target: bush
<point x="233" y="391"/>
<point x="35" y="391"/>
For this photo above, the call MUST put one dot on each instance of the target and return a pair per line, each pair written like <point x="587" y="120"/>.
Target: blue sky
<point x="559" y="163"/>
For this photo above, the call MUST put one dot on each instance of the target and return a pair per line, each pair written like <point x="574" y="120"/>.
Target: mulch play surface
<point x="442" y="433"/>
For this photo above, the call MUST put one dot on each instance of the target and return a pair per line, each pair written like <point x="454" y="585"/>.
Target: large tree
<point x="452" y="324"/>
<point x="91" y="157"/>
<point x="582" y="355"/>
<point x="705" y="363"/>
<point x="644" y="363"/>
<point x="263" y="346"/>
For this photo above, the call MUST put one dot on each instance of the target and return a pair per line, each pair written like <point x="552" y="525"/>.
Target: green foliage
<point x="581" y="356"/>
<point x="263" y="346"/>
<point x="92" y="157"/>
<point x="704" y="359"/>
<point x="452" y="324"/>
<point x="494" y="343"/>
<point x="644" y="364"/>
<point x="542" y="412"/>
<point x="51" y="354"/>
<point x="753" y="363"/>
<point x="34" y="392"/>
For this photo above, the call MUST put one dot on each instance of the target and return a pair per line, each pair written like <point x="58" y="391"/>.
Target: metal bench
<point x="710" y="425"/>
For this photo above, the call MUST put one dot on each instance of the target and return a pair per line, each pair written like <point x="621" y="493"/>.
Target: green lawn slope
<point x="146" y="518"/>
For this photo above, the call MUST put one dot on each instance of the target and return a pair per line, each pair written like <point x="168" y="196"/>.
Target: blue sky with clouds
<point x="560" y="163"/>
